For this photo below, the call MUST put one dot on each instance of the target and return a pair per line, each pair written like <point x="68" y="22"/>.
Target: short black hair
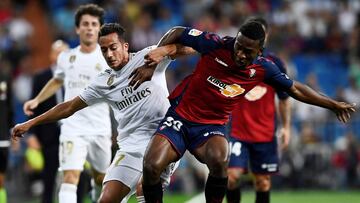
<point x="109" y="28"/>
<point x="90" y="9"/>
<point x="253" y="30"/>
<point x="258" y="19"/>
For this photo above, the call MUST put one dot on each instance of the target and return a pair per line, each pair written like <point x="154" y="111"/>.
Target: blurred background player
<point x="6" y="122"/>
<point x="252" y="136"/>
<point x="86" y="135"/>
<point x="48" y="135"/>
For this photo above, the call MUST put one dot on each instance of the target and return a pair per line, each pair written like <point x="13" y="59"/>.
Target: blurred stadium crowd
<point x="318" y="39"/>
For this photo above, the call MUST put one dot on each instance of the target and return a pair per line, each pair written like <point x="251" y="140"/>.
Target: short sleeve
<point x="202" y="42"/>
<point x="275" y="78"/>
<point x="59" y="72"/>
<point x="90" y="95"/>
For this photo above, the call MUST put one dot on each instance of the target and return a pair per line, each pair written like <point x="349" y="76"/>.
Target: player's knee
<point x="1" y="181"/>
<point x="233" y="179"/>
<point x="151" y="169"/>
<point x="218" y="165"/>
<point x="139" y="191"/>
<point x="105" y="198"/>
<point x="262" y="183"/>
<point x="98" y="178"/>
<point x="71" y="177"/>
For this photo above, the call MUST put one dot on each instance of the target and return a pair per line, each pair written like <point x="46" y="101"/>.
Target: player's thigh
<point x="113" y="191"/>
<point x="99" y="153"/>
<point x="72" y="152"/>
<point x="125" y="168"/>
<point x="160" y="153"/>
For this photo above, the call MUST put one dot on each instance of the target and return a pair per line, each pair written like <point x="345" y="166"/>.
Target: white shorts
<point x="74" y="150"/>
<point x="127" y="168"/>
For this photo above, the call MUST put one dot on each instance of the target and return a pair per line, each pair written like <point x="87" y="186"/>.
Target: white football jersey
<point x="77" y="70"/>
<point x="138" y="112"/>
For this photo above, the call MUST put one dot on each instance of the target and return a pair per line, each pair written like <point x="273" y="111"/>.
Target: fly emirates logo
<point x="131" y="97"/>
<point x="225" y="89"/>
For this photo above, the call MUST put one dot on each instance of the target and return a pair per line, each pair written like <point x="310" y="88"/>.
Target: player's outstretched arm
<point x="60" y="111"/>
<point x="285" y="115"/>
<point x="47" y="91"/>
<point x="305" y="94"/>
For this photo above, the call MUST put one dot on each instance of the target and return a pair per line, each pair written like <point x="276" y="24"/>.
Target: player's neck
<point x="84" y="48"/>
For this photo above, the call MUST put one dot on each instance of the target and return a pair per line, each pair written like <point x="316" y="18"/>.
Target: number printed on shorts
<point x="170" y="122"/>
<point x="235" y="148"/>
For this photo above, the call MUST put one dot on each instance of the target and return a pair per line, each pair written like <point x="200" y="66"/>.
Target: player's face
<point x="88" y="29"/>
<point x="114" y="51"/>
<point x="245" y="50"/>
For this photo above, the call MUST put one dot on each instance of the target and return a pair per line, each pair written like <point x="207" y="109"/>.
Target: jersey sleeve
<point x="59" y="72"/>
<point x="275" y="78"/>
<point x="202" y="42"/>
<point x="281" y="65"/>
<point x="91" y="95"/>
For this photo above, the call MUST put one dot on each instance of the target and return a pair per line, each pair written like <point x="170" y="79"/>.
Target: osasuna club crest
<point x="252" y="73"/>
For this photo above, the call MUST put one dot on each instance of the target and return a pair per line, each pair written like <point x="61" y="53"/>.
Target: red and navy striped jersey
<point x="254" y="118"/>
<point x="217" y="84"/>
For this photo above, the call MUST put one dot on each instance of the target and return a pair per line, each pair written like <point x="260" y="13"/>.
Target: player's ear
<point x="126" y="46"/>
<point x="261" y="51"/>
<point x="77" y="30"/>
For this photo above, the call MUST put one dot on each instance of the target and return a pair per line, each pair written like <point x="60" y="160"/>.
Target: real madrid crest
<point x="98" y="67"/>
<point x="110" y="80"/>
<point x="72" y="58"/>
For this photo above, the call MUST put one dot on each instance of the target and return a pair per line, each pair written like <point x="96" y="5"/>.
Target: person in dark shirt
<point x="48" y="134"/>
<point x="6" y="122"/>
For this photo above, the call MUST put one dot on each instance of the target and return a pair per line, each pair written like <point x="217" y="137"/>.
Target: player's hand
<point x="140" y="75"/>
<point x="343" y="111"/>
<point x="284" y="137"/>
<point x="29" y="106"/>
<point x="19" y="130"/>
<point x="155" y="56"/>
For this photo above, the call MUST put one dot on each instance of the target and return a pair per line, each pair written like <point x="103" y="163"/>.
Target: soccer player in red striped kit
<point x="227" y="69"/>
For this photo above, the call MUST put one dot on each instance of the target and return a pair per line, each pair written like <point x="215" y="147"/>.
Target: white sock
<point x="140" y="199"/>
<point x="67" y="193"/>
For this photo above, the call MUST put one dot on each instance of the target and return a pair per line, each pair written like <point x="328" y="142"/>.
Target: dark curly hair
<point x="90" y="9"/>
<point x="253" y="30"/>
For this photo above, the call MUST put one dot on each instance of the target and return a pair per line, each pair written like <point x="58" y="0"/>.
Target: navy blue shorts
<point x="185" y="135"/>
<point x="261" y="158"/>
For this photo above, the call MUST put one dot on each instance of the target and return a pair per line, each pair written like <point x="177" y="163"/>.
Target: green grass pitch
<point x="284" y="197"/>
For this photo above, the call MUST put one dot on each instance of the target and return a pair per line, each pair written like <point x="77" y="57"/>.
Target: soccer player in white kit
<point x="87" y="134"/>
<point x="137" y="111"/>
